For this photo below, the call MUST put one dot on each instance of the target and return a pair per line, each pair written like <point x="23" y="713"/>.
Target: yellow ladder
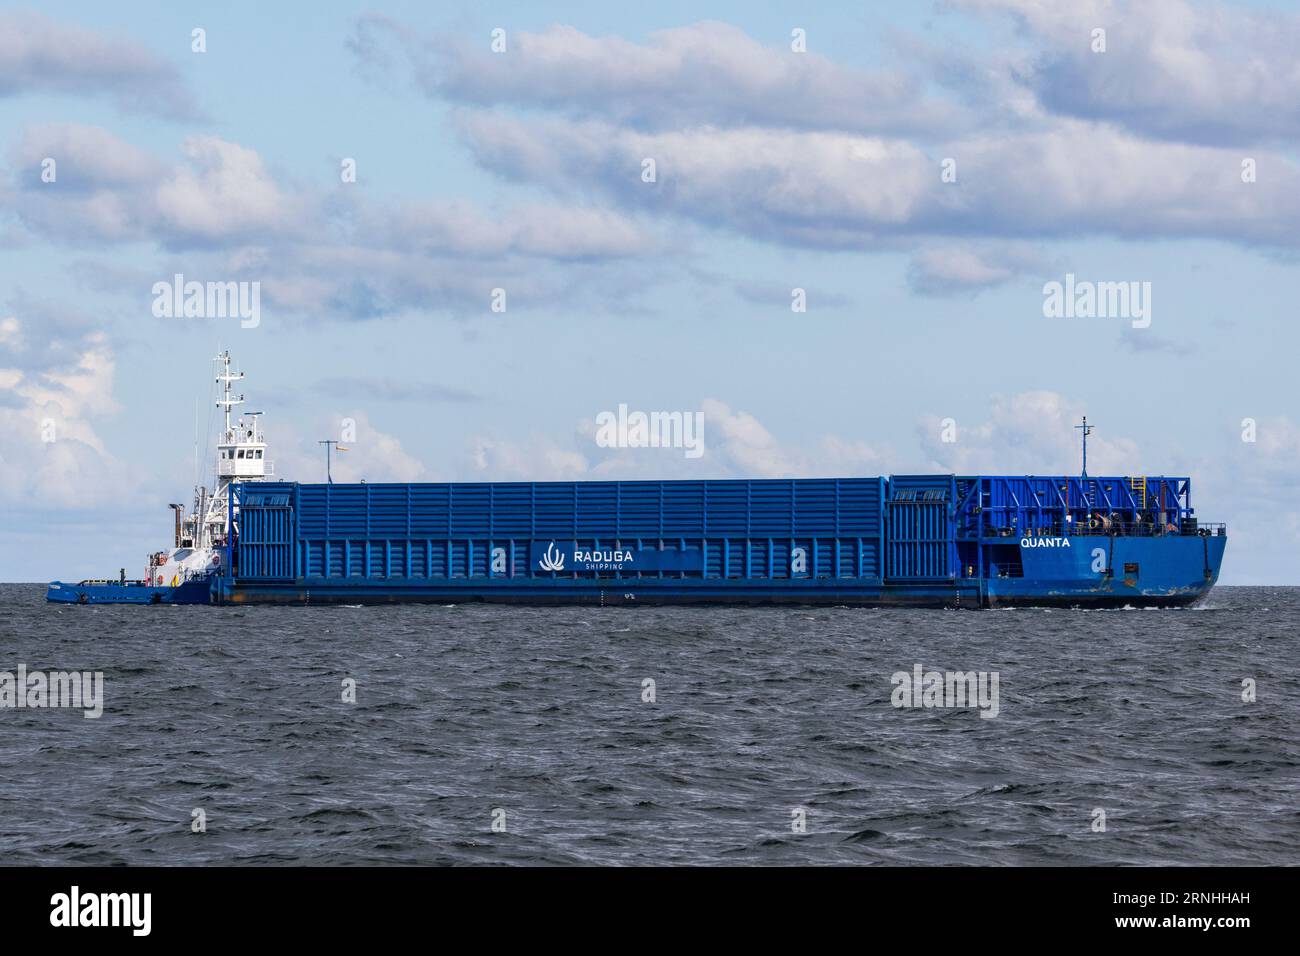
<point x="1140" y="485"/>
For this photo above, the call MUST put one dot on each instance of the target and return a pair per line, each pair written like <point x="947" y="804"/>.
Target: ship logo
<point x="552" y="560"/>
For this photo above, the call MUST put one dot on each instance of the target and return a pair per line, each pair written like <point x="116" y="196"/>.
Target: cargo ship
<point x="941" y="541"/>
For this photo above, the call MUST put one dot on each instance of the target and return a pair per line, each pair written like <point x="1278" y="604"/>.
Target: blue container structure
<point x="910" y="540"/>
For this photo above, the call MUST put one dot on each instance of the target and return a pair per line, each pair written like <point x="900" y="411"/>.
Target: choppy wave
<point x="771" y="737"/>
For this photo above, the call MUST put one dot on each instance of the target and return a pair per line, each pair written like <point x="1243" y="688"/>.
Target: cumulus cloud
<point x="1203" y="72"/>
<point x="705" y="73"/>
<point x="109" y="190"/>
<point x="223" y="213"/>
<point x="223" y="190"/>
<point x="747" y="137"/>
<point x="536" y="459"/>
<point x="41" y="56"/>
<point x="967" y="269"/>
<point x="454" y="227"/>
<point x="835" y="190"/>
<point x="53" y="394"/>
<point x="796" y="149"/>
<point x="736" y="445"/>
<point x="373" y="456"/>
<point x="1029" y="433"/>
<point x="1253" y="486"/>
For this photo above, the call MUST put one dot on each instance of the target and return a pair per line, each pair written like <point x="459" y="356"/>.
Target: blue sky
<point x="522" y="170"/>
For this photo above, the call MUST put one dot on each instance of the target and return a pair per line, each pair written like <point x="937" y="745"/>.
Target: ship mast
<point x="226" y="401"/>
<point x="241" y="457"/>
<point x="1087" y="430"/>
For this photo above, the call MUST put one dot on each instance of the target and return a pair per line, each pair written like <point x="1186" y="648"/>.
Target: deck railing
<point x="1107" y="528"/>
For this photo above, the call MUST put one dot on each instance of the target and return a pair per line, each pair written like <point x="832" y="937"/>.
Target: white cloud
<point x="1030" y="433"/>
<point x="41" y="56"/>
<point x="327" y="253"/>
<point x="224" y="190"/>
<point x="970" y="268"/>
<point x="842" y="190"/>
<point x="374" y="455"/>
<point x="108" y="190"/>
<point x="736" y="445"/>
<point x="704" y="73"/>
<point x="537" y="459"/>
<point x="1201" y="72"/>
<point x="51" y="455"/>
<point x="457" y="228"/>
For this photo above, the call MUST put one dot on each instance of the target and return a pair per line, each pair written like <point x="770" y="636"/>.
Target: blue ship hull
<point x="191" y="592"/>
<point x="695" y="593"/>
<point x="1169" y="571"/>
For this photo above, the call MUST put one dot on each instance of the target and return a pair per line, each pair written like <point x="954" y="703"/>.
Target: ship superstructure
<point x="183" y="573"/>
<point x="241" y="457"/>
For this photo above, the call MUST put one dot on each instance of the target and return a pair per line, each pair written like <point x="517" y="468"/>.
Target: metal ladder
<point x="1140" y="485"/>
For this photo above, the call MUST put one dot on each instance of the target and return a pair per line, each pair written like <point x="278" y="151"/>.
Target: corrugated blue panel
<point x="920" y="538"/>
<point x="771" y="507"/>
<point x="553" y="508"/>
<point x="683" y="508"/>
<point x="713" y="556"/>
<point x="597" y="508"/>
<point x="438" y="559"/>
<point x="348" y="509"/>
<point x="430" y="514"/>
<point x="815" y="507"/>
<point x="640" y="504"/>
<point x="780" y="556"/>
<point x="477" y="558"/>
<point x="861" y="505"/>
<point x="266" y="533"/>
<point x="821" y="559"/>
<point x="728" y="511"/>
<point x="471" y="509"/>
<point x="740" y="528"/>
<point x="512" y="509"/>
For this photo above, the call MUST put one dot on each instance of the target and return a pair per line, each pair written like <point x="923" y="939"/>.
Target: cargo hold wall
<point x="760" y="529"/>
